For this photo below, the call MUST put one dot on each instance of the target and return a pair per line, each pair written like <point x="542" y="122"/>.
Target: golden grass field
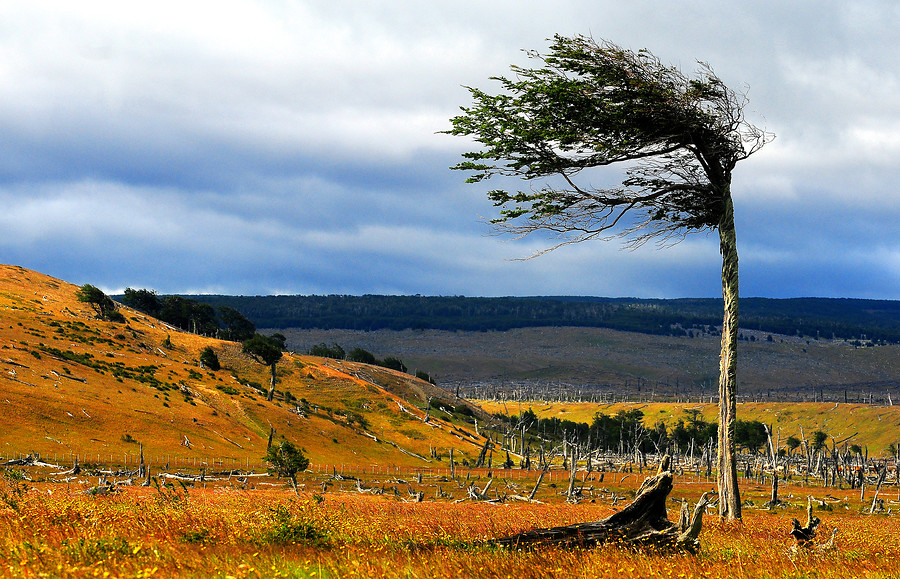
<point x="223" y="530"/>
<point x="72" y="386"/>
<point x="869" y="426"/>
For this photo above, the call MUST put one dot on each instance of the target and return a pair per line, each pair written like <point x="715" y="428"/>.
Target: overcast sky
<point x="294" y="147"/>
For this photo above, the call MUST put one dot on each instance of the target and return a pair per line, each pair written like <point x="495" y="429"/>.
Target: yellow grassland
<point x="56" y="530"/>
<point x="869" y="426"/>
<point x="53" y="525"/>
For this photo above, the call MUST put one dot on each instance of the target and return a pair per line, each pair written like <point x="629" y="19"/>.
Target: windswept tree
<point x="210" y="359"/>
<point x="143" y="300"/>
<point x="266" y="350"/>
<point x="592" y="104"/>
<point x="105" y="307"/>
<point x="286" y="460"/>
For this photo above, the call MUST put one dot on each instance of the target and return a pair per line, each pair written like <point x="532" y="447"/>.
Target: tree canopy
<point x="102" y="304"/>
<point x="286" y="460"/>
<point x="236" y="327"/>
<point x="266" y="350"/>
<point x="594" y="104"/>
<point x="192" y="315"/>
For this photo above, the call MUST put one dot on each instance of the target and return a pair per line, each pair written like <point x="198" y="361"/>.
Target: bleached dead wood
<point x="33" y="459"/>
<point x="537" y="485"/>
<point x="881" y="476"/>
<point x="806" y="533"/>
<point x="479" y="495"/>
<point x="643" y="523"/>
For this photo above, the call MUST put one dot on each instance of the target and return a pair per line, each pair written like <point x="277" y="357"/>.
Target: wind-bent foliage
<point x="286" y="460"/>
<point x="594" y="104"/>
<point x="266" y="350"/>
<point x="235" y="326"/>
<point x="105" y="307"/>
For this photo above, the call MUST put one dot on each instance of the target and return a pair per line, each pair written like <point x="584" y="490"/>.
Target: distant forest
<point x="870" y="321"/>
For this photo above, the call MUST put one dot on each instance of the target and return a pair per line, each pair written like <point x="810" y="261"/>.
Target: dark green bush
<point x="209" y="359"/>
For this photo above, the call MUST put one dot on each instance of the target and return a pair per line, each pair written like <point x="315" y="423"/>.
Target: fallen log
<point x="643" y="523"/>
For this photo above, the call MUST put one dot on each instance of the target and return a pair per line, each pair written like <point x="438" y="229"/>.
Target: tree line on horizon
<point x="872" y="321"/>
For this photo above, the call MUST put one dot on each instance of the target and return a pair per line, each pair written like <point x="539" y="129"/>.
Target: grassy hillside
<point x="71" y="384"/>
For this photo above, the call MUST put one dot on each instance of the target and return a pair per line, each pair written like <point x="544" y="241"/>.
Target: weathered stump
<point x="643" y="523"/>
<point x="806" y="535"/>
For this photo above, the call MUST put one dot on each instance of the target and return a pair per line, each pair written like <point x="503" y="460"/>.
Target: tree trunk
<point x="537" y="485"/>
<point x="881" y="475"/>
<point x="774" y="500"/>
<point x="726" y="478"/>
<point x="272" y="385"/>
<point x="570" y="493"/>
<point x="643" y="523"/>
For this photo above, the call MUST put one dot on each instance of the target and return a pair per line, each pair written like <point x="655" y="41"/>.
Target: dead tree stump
<point x="643" y="523"/>
<point x="806" y="535"/>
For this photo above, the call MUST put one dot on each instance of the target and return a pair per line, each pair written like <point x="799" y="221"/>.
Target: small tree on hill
<point x="189" y="315"/>
<point x="105" y="306"/>
<point x="286" y="460"/>
<point x="209" y="359"/>
<point x="143" y="300"/>
<point x="360" y="355"/>
<point x="266" y="350"/>
<point x="423" y="375"/>
<point x="334" y="351"/>
<point x="394" y="364"/>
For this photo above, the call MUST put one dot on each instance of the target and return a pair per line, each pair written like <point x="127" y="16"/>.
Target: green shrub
<point x="209" y="359"/>
<point x="360" y="355"/>
<point x="424" y="376"/>
<point x="286" y="527"/>
<point x="324" y="351"/>
<point x="393" y="364"/>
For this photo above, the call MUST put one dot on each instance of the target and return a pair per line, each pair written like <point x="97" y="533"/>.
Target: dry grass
<point x="55" y="530"/>
<point x="73" y="385"/>
<point x="63" y="405"/>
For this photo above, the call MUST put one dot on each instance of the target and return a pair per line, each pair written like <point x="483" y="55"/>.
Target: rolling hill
<point x="72" y="385"/>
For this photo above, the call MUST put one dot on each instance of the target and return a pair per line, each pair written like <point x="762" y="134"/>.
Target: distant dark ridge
<point x="876" y="321"/>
